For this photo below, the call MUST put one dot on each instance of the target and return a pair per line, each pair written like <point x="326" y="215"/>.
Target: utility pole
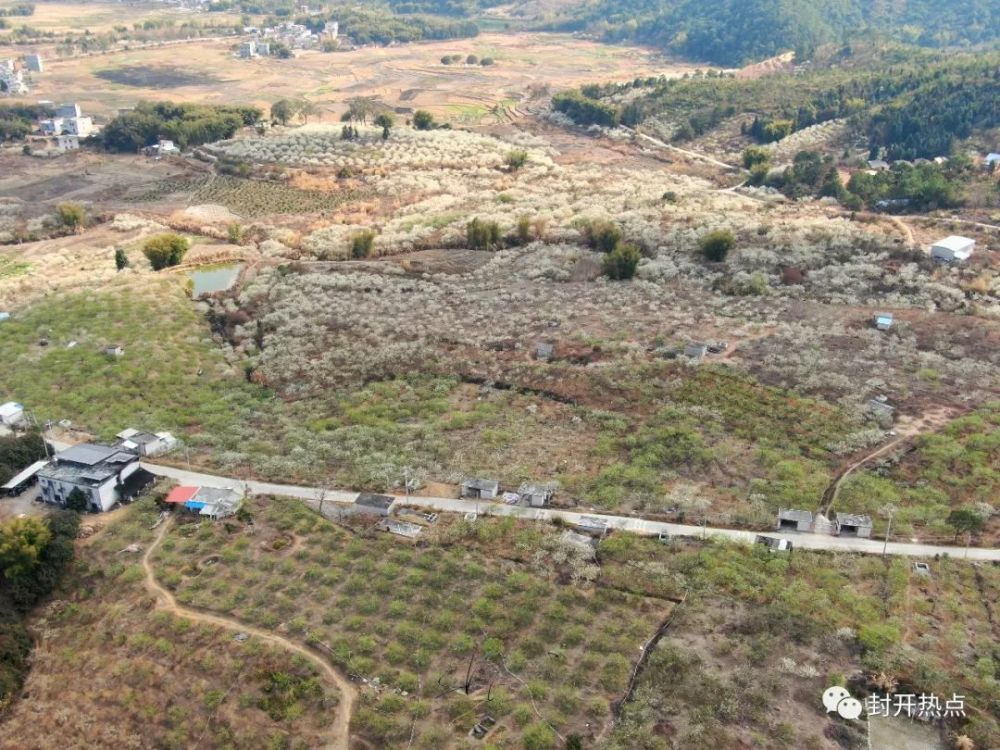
<point x="888" y="530"/>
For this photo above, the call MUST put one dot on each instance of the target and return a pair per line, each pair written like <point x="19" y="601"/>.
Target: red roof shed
<point x="181" y="494"/>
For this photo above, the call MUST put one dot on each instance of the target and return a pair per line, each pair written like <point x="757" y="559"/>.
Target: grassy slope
<point x="413" y="616"/>
<point x="760" y="637"/>
<point x="146" y="679"/>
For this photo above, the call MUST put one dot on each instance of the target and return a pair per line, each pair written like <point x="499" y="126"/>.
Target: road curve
<point x="340" y="731"/>
<point x="626" y="523"/>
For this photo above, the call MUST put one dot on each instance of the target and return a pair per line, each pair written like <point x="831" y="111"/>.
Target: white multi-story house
<point x="105" y="474"/>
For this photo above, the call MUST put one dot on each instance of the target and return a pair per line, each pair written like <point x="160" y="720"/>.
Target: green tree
<point x="471" y="60"/>
<point x="71" y="215"/>
<point x="965" y="520"/>
<point x="715" y="245"/>
<point x="385" y="120"/>
<point x="283" y="111"/>
<point x="754" y="155"/>
<point x="622" y="262"/>
<point x="77" y="500"/>
<point x="22" y="541"/>
<point x="121" y="259"/>
<point x="516" y="159"/>
<point x="165" y="250"/>
<point x="423" y="120"/>
<point x="362" y="244"/>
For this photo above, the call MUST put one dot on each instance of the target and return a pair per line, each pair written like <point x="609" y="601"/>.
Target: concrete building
<point x="146" y="443"/>
<point x="953" y="248"/>
<point x="481" y="489"/>
<point x="536" y="495"/>
<point x="100" y="472"/>
<point x="851" y="524"/>
<point x="211" y="502"/>
<point x="68" y="142"/>
<point x="795" y="520"/>
<point x="374" y="505"/>
<point x="33" y="63"/>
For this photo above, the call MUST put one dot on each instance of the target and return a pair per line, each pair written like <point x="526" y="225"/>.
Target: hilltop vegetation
<point x="733" y="32"/>
<point x="185" y="124"/>
<point x="908" y="104"/>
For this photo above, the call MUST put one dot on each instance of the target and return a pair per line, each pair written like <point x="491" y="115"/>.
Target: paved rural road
<point x="340" y="729"/>
<point x="626" y="523"/>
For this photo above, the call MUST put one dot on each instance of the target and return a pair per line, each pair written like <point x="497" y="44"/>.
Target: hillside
<point x="733" y="32"/>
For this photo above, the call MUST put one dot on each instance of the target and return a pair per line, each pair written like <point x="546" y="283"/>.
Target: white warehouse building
<point x="953" y="248"/>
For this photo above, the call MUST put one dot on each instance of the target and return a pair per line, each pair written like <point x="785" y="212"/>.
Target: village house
<point x="480" y="489"/>
<point x="211" y="502"/>
<point x="105" y="474"/>
<point x="953" y="248"/>
<point x="33" y="62"/>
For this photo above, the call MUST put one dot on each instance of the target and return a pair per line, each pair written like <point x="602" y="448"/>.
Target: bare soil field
<point x="406" y="77"/>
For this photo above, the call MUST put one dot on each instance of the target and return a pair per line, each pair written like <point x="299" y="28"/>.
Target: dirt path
<point x="931" y="421"/>
<point x="340" y="731"/>
<point x="686" y="152"/>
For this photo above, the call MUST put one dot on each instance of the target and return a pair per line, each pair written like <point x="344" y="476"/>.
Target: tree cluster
<point x="184" y="124"/>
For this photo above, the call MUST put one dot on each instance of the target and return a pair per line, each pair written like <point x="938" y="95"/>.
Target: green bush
<point x="362" y="244"/>
<point x="715" y="245"/>
<point x="538" y="736"/>
<point x="423" y="120"/>
<point x="165" y="250"/>
<point x="622" y="262"/>
<point x="482" y="235"/>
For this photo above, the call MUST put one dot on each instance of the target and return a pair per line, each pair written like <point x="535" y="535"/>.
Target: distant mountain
<point x="734" y="32"/>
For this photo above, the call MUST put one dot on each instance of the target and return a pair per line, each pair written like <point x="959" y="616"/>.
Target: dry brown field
<point x="407" y="77"/>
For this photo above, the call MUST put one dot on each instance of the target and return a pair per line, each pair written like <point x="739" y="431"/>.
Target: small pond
<point x="216" y="278"/>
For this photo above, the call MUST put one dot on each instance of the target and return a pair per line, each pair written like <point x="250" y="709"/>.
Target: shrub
<point x="121" y="260"/>
<point x="621" y="263"/>
<point x="538" y="737"/>
<point x="362" y="244"/>
<point x="71" y="215"/>
<point x="715" y="245"/>
<point x="516" y="159"/>
<point x="603" y="236"/>
<point x="423" y="120"/>
<point x="165" y="250"/>
<point x="482" y="235"/>
<point x="471" y="60"/>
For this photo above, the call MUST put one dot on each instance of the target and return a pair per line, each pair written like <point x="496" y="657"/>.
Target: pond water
<point x="214" y="278"/>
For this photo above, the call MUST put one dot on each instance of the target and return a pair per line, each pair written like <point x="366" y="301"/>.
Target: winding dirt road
<point x="340" y="730"/>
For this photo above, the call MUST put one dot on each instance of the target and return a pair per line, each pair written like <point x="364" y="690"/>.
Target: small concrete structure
<point x="695" y="351"/>
<point x="880" y="408"/>
<point x="114" y="350"/>
<point x="536" y="495"/>
<point x="33" y="63"/>
<point x="211" y="502"/>
<point x="481" y="489"/>
<point x="953" y="248"/>
<point x="852" y="524"/>
<point x="878" y="165"/>
<point x="544" y="351"/>
<point x="402" y="528"/>
<point x="774" y="544"/>
<point x="374" y="505"/>
<point x="592" y="525"/>
<point x="883" y="321"/>
<point x="992" y="161"/>
<point x="794" y="520"/>
<point x="11" y="413"/>
<point x="21" y="481"/>
<point x="147" y="443"/>
<point x="581" y="542"/>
